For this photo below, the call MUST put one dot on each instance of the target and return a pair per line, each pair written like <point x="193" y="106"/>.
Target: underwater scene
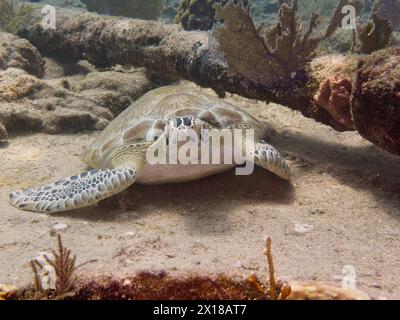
<point x="200" y="150"/>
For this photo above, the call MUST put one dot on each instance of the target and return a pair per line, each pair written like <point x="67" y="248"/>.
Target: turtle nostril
<point x="178" y="122"/>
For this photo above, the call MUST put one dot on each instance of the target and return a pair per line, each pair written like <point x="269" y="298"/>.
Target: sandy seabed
<point x="341" y="208"/>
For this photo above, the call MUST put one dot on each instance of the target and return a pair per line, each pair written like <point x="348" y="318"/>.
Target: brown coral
<point x="334" y="96"/>
<point x="376" y="99"/>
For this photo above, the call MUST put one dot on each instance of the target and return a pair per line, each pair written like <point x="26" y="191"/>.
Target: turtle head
<point x="182" y="129"/>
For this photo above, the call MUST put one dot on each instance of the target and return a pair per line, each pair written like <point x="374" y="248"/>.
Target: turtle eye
<point x="187" y="121"/>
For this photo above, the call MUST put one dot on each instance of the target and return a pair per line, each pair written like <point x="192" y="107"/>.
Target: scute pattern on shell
<point x="155" y="107"/>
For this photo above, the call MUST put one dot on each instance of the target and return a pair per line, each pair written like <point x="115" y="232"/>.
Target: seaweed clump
<point x="14" y="16"/>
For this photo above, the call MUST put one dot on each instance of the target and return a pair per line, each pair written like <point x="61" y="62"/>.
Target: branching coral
<point x="277" y="290"/>
<point x="374" y="35"/>
<point x="281" y="290"/>
<point x="13" y="16"/>
<point x="323" y="7"/>
<point x="377" y="32"/>
<point x="336" y="19"/>
<point x="258" y="55"/>
<point x="266" y="56"/>
<point x="64" y="265"/>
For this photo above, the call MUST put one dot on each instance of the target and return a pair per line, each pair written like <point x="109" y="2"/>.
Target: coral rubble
<point x="73" y="103"/>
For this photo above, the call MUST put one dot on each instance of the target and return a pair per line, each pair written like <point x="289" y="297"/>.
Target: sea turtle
<point x="120" y="153"/>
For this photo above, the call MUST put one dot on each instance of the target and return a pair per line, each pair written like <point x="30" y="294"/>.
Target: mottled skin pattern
<point x="120" y="151"/>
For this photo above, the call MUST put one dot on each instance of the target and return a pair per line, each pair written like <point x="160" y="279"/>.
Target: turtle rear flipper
<point x="74" y="192"/>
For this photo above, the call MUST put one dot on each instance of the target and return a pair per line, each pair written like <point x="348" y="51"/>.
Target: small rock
<point x="375" y="285"/>
<point x="302" y="228"/>
<point x="317" y="212"/>
<point x="19" y="53"/>
<point x="7" y="291"/>
<point x="251" y="265"/>
<point x="127" y="235"/>
<point x="57" y="228"/>
<point x="3" y="132"/>
<point x="127" y="283"/>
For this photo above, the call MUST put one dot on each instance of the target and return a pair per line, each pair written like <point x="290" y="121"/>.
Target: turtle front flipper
<point x="75" y="192"/>
<point x="267" y="157"/>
